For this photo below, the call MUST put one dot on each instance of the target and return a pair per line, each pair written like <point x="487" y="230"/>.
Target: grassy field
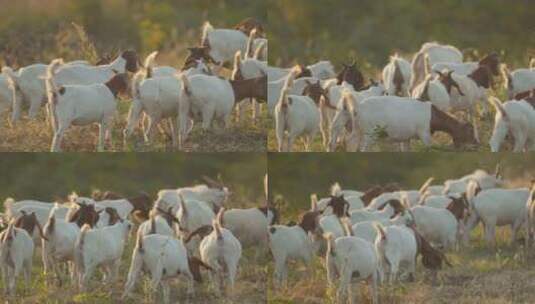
<point x="250" y="284"/>
<point x="36" y="136"/>
<point x="479" y="275"/>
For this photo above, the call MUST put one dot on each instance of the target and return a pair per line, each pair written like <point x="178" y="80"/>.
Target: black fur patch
<point x="62" y="90"/>
<point x="272" y="230"/>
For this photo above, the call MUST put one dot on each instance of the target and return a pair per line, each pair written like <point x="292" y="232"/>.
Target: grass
<point x="36" y="136"/>
<point x="479" y="275"/>
<point x="250" y="284"/>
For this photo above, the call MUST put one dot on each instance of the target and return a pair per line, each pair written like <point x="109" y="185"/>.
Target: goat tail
<point x="207" y="28"/>
<point x="149" y="63"/>
<point x="237" y="64"/>
<point x="8" y="206"/>
<point x="498" y="106"/>
<point x="79" y="252"/>
<point x="418" y="65"/>
<point x="49" y="226"/>
<point x="11" y="76"/>
<point x="186" y="85"/>
<point x="135" y="268"/>
<point x="426" y="185"/>
<point x="260" y="49"/>
<point x="52" y="90"/>
<point x="507" y="77"/>
<point x="250" y="44"/>
<point x="313" y="202"/>
<point x="336" y="190"/>
<point x="136" y="83"/>
<point x="381" y="234"/>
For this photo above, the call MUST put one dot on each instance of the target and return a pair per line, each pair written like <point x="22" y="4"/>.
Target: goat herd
<point x="186" y="231"/>
<point x="411" y="102"/>
<point x="78" y="93"/>
<point x="368" y="236"/>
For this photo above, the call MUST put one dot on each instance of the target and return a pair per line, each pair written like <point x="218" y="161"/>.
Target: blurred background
<point x="294" y="177"/>
<point x="37" y="31"/>
<point x="45" y="176"/>
<point x="370" y="30"/>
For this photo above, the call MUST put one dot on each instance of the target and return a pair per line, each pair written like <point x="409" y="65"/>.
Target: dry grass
<point x="36" y="136"/>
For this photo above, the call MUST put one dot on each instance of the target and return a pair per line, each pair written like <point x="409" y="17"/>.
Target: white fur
<point x="100" y="247"/>
<point x="155" y="253"/>
<point x="436" y="53"/>
<point x="516" y="118"/>
<point x="388" y="75"/>
<point x="79" y="105"/>
<point x="15" y="256"/>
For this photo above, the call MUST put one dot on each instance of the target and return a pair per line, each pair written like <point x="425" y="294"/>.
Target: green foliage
<point x="28" y="28"/>
<point x="295" y="176"/>
<point x="373" y="29"/>
<point x="46" y="176"/>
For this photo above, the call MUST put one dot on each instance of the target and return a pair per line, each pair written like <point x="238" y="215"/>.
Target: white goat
<point x="222" y="251"/>
<point x="28" y="88"/>
<point x="216" y="102"/>
<point x="436" y="53"/>
<point x="16" y="253"/>
<point x="295" y="116"/>
<point x="100" y="247"/>
<point x="82" y="105"/>
<point x="157" y="96"/>
<point x="530" y="215"/>
<point x="250" y="225"/>
<point x="192" y="215"/>
<point x="293" y="242"/>
<point x="7" y="91"/>
<point x="431" y="89"/>
<point x="496" y="207"/>
<point x="88" y="75"/>
<point x="484" y="179"/>
<point x="519" y="81"/>
<point x="352" y="258"/>
<point x="164" y="258"/>
<point x="58" y="247"/>
<point x="397" y="76"/>
<point x="215" y="194"/>
<point x="517" y="118"/>
<point x="396" y="245"/>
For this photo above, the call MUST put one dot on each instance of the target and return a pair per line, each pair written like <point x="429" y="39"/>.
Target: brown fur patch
<point x="351" y="75"/>
<point x="314" y="91"/>
<point x="492" y="61"/>
<point x="250" y="88"/>
<point x="195" y="265"/>
<point x="449" y="82"/>
<point x="274" y="211"/>
<point x="461" y="133"/>
<point x="398" y="79"/>
<point x="482" y="77"/>
<point x="29" y="222"/>
<point x="202" y="232"/>
<point x="370" y="194"/>
<point x="249" y="24"/>
<point x="458" y="206"/>
<point x="117" y="84"/>
<point x="431" y="257"/>
<point x="86" y="214"/>
<point x="309" y="221"/>
<point x="131" y="60"/>
<point x="339" y="205"/>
